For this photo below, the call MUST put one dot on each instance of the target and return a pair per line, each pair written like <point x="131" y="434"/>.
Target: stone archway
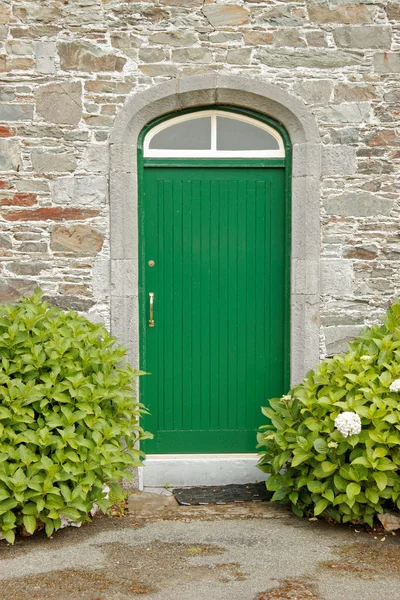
<point x="217" y="89"/>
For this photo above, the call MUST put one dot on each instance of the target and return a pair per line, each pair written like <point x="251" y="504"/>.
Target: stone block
<point x="26" y="268"/>
<point x="225" y="37"/>
<point x="5" y="242"/>
<point x="153" y="55"/>
<point x="358" y="204"/>
<point x="291" y="37"/>
<point x="49" y="162"/>
<point x="16" y="112"/>
<point x="101" y="277"/>
<point x="123" y="218"/>
<point x="185" y="3"/>
<point x="32" y="185"/>
<point x="337" y="277"/>
<point x="6" y="131"/>
<point x="192" y="55"/>
<point x="306" y="237"/>
<point x="159" y="70"/>
<point x="60" y="102"/>
<point x="337" y="338"/>
<point x="305" y="276"/>
<point x="32" y="247"/>
<point x="239" y="56"/>
<point x="67" y="302"/>
<point x="50" y="213"/>
<point x="354" y="93"/>
<point x="19" y="47"/>
<point x="317" y="39"/>
<point x="125" y="325"/>
<point x="387" y="62"/>
<point x="310" y="58"/>
<point x="257" y="38"/>
<point x="85" y="56"/>
<point x="124" y="277"/>
<point x="359" y="112"/>
<point x="283" y="16"/>
<point x="12" y="289"/>
<point x="86" y="190"/>
<point x="384" y="137"/>
<point x="338" y="161"/>
<point x="45" y="53"/>
<point x="77" y="239"/>
<point x="174" y="38"/>
<point x="95" y="159"/>
<point x="5" y="14"/>
<point x="316" y="91"/>
<point x="10" y="155"/>
<point x="343" y="13"/>
<point x="363" y="37"/>
<point x="393" y="10"/>
<point x="304" y="335"/>
<point x="225" y="15"/>
<point x="125" y="41"/>
<point x="19" y="199"/>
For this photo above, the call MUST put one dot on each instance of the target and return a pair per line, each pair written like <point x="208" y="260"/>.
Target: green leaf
<point x="71" y="513"/>
<point x="328" y="467"/>
<point x="321" y="446"/>
<point x="381" y="480"/>
<point x="299" y="456"/>
<point x="352" y="490"/>
<point x="316" y="487"/>
<point x="280" y="494"/>
<point x="9" y="535"/>
<point x="29" y="522"/>
<point x="49" y="528"/>
<point x="385" y="464"/>
<point x="320" y="506"/>
<point x="372" y="495"/>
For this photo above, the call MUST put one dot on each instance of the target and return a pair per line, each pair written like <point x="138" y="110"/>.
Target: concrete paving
<point x="161" y="551"/>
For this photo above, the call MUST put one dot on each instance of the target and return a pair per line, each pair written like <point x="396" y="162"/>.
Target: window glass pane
<point x="239" y="135"/>
<point x="194" y="134"/>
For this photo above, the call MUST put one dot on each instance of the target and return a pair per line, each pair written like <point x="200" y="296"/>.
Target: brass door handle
<point x="151" y="304"/>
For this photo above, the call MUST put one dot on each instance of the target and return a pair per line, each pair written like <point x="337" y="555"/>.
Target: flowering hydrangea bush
<point x="348" y="423"/>
<point x="332" y="445"/>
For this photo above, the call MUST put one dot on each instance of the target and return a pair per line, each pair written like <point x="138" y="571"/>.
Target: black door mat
<point x="222" y="494"/>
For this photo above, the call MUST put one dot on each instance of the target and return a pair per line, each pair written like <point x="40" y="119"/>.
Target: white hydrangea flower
<point x="395" y="385"/>
<point x="348" y="423"/>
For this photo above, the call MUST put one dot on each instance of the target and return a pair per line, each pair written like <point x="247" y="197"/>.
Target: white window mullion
<point x="213" y="133"/>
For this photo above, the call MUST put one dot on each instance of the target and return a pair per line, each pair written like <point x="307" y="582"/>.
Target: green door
<point x="218" y="348"/>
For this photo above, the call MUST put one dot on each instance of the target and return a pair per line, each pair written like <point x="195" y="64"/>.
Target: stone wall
<point x="68" y="66"/>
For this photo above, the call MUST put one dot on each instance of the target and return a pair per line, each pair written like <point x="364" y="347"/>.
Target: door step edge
<point x="171" y="470"/>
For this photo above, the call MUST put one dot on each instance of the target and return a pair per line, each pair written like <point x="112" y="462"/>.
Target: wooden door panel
<point x="217" y="350"/>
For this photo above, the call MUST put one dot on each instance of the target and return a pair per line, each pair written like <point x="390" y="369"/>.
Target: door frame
<point x="119" y="272"/>
<point x="216" y="163"/>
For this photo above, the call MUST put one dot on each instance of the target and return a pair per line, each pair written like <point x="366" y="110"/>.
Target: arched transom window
<point x="213" y="134"/>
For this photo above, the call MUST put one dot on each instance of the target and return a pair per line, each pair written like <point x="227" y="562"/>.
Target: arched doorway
<point x="187" y="93"/>
<point x="214" y="277"/>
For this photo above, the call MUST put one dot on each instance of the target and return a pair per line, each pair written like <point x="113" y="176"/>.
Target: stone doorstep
<point x="199" y="469"/>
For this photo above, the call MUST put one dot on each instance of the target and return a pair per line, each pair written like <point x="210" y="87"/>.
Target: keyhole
<point x="151" y="263"/>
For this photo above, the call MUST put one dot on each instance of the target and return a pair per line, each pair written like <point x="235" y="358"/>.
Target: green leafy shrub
<point x="316" y="468"/>
<point x="68" y="417"/>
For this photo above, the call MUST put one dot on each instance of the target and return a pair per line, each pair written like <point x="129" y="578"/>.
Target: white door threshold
<point x="162" y="470"/>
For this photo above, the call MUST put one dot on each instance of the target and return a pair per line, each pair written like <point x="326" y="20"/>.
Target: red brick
<point x="51" y="214"/>
<point x="19" y="199"/>
<point x="3" y="184"/>
<point x="6" y="131"/>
